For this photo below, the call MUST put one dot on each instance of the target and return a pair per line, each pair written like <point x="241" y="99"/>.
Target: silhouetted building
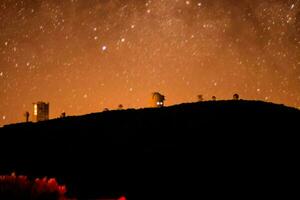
<point x="157" y="100"/>
<point x="40" y="111"/>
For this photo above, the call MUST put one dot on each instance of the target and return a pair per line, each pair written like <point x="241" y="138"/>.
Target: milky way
<point x="83" y="56"/>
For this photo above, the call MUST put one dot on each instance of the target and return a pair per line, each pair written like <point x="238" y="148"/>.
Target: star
<point x="104" y="48"/>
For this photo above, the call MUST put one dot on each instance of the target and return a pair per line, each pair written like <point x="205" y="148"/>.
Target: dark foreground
<point x="224" y="149"/>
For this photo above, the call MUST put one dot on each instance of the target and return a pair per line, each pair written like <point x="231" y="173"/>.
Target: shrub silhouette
<point x="14" y="187"/>
<point x="236" y="97"/>
<point x="200" y="98"/>
<point x="120" y="107"/>
<point x="63" y="115"/>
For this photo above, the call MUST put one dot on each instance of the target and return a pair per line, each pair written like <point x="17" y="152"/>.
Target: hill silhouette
<point x="194" y="150"/>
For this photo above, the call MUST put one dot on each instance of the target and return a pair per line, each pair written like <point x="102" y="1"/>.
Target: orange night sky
<point x="83" y="56"/>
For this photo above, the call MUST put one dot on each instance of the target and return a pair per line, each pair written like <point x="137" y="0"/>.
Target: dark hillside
<point x="220" y="149"/>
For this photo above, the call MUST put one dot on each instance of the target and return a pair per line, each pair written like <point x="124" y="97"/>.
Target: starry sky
<point x="86" y="55"/>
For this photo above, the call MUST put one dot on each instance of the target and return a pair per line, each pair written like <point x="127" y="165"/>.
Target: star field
<point x="84" y="56"/>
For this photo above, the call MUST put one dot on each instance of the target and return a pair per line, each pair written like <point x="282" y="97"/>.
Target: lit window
<point x="35" y="109"/>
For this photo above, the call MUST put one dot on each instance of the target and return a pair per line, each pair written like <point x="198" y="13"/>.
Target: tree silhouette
<point x="214" y="98"/>
<point x="26" y="115"/>
<point x="157" y="100"/>
<point x="120" y="107"/>
<point x="63" y="115"/>
<point x="200" y="98"/>
<point x="236" y="97"/>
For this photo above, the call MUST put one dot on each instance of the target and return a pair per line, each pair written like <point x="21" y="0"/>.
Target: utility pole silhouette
<point x="26" y="115"/>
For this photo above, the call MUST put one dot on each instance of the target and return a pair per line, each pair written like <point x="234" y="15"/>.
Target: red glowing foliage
<point x="122" y="198"/>
<point x="20" y="187"/>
